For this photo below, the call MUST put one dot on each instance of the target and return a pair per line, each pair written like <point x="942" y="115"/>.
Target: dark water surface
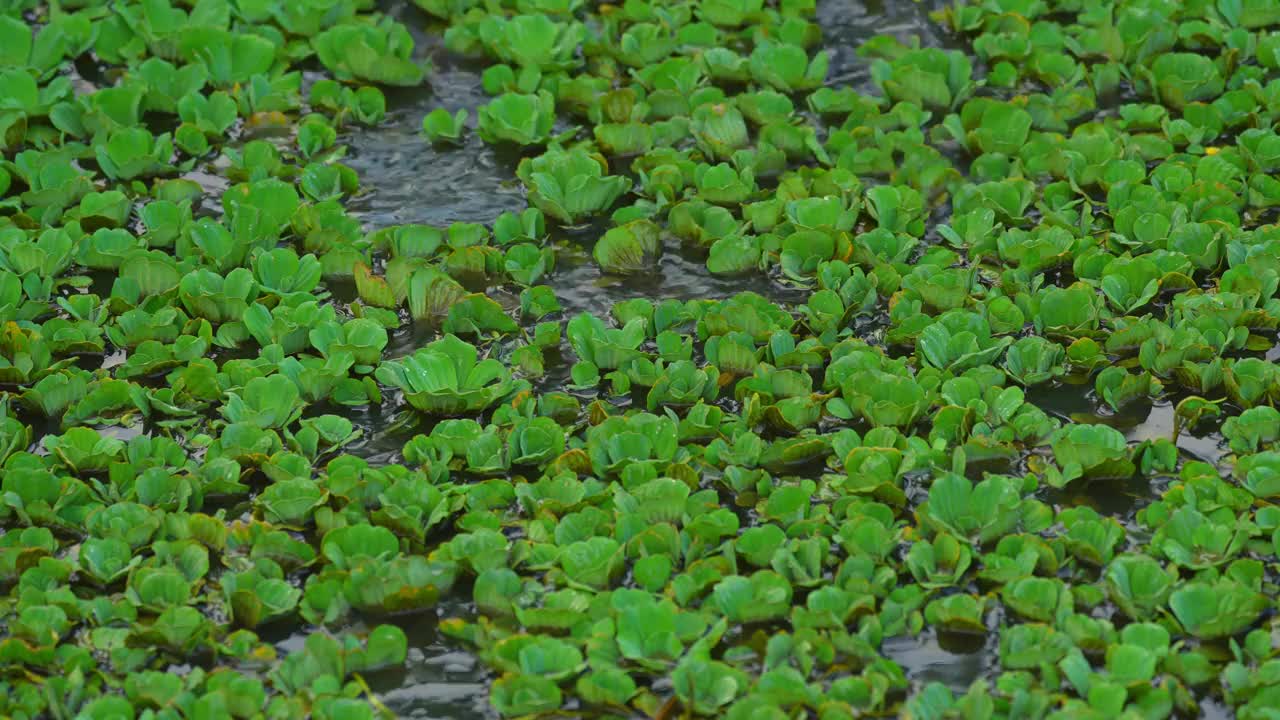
<point x="406" y="180"/>
<point x="439" y="681"/>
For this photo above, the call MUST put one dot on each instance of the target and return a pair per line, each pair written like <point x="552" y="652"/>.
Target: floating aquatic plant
<point x="973" y="279"/>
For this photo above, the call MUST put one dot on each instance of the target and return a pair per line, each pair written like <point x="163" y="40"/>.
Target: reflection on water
<point x="682" y="275"/>
<point x="1202" y="443"/>
<point x="440" y="684"/>
<point x="438" y="681"/>
<point x="407" y="180"/>
<point x="1138" y="421"/>
<point x="953" y="660"/>
<point x="385" y="428"/>
<point x="1211" y="709"/>
<point x="846" y="24"/>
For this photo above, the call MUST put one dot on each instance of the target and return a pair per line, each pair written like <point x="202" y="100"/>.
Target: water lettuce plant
<point x="447" y="378"/>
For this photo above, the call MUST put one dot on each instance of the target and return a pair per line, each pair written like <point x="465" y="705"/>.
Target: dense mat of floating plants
<point x="719" y="507"/>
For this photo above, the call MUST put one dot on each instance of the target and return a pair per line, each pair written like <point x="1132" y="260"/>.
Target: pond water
<point x="439" y="680"/>
<point x="406" y="180"/>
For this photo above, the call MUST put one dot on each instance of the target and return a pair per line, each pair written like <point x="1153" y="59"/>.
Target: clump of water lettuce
<point x="999" y="376"/>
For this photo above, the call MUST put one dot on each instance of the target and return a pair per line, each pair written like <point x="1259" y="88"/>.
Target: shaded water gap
<point x="405" y="179"/>
<point x="385" y="427"/>
<point x="953" y="659"/>
<point x="847" y="24"/>
<point x="439" y="681"/>
<point x="1138" y="422"/>
<point x="681" y="274"/>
